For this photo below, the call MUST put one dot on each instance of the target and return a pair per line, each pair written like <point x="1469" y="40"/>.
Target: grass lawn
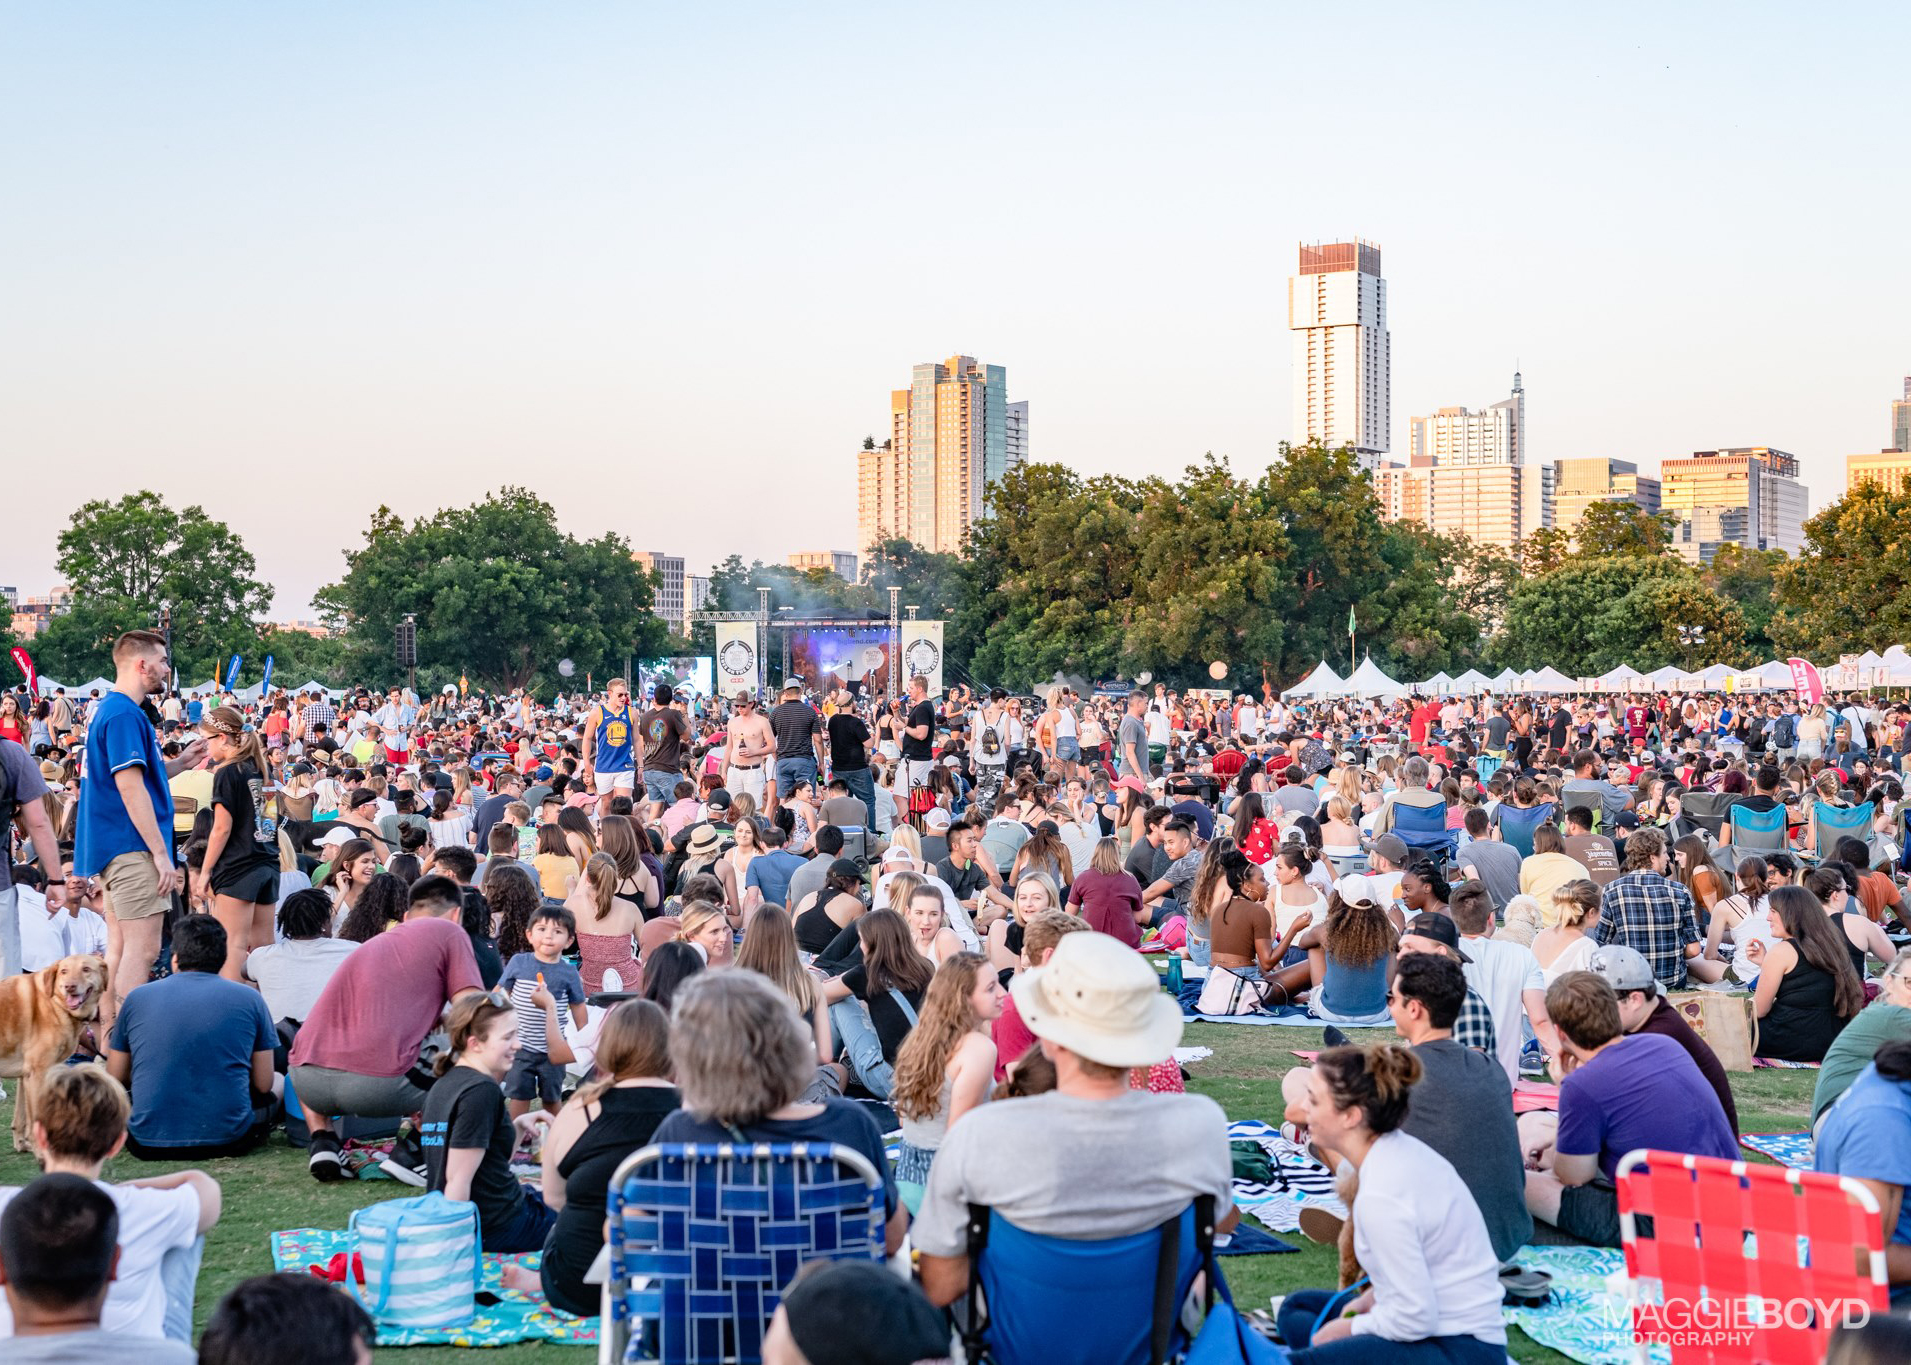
<point x="270" y="1190"/>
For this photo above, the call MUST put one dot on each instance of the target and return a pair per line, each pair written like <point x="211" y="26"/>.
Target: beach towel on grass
<point x="1589" y="1317"/>
<point x="1787" y="1149"/>
<point x="1298" y="1180"/>
<point x="514" y="1317"/>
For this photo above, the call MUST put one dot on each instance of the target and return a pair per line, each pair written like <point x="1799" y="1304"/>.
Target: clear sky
<point x="663" y="263"/>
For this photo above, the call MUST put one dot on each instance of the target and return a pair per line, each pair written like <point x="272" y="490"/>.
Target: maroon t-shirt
<point x="1109" y="902"/>
<point x="385" y="999"/>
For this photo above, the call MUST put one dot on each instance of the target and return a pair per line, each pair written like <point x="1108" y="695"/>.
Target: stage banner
<point x="1806" y="681"/>
<point x="922" y="652"/>
<point x="737" y="665"/>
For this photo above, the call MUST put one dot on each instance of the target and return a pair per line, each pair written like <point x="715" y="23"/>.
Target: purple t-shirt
<point x="1642" y="1091"/>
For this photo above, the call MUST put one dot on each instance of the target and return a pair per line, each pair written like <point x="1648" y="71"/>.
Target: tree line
<point x="1090" y="576"/>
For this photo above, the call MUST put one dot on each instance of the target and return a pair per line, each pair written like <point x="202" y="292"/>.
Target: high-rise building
<point x="670" y="603"/>
<point x="1581" y="482"/>
<point x="696" y="589"/>
<point x="1888" y="469"/>
<point x="1901" y="419"/>
<point x="1748" y="496"/>
<point x="1494" y="435"/>
<point x="1490" y="504"/>
<point x="1337" y="312"/>
<point x="1018" y="433"/>
<point x="949" y="443"/>
<point x="842" y="563"/>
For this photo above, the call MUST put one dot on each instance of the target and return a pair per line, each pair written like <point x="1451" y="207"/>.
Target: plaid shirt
<point x="1474" y="1026"/>
<point x="1653" y="914"/>
<point x="318" y="713"/>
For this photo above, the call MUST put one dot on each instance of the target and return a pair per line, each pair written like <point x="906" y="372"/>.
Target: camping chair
<point x="1517" y="825"/>
<point x="856" y="846"/>
<point x="1750" y="833"/>
<point x="1707" y="810"/>
<point x="704" y="1239"/>
<point x="1831" y="823"/>
<point x="1816" y="1238"/>
<point x="1037" y="1300"/>
<point x="1424" y="828"/>
<point x="935" y="847"/>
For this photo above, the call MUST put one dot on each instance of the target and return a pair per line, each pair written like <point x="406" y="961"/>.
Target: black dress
<point x="1803" y="1021"/>
<point x="625" y="1121"/>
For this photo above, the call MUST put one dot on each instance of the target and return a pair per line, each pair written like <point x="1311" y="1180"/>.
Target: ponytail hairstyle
<point x="1378" y="1078"/>
<point x="600" y="879"/>
<point x="470" y="1018"/>
<point x="1574" y="905"/>
<point x="1298" y="857"/>
<point x="1237" y="867"/>
<point x="229" y="724"/>
<point x="1754" y="880"/>
<point x="1207" y="875"/>
<point x="633" y="1043"/>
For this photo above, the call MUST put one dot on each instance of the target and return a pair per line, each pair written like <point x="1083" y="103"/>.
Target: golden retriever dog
<point x="41" y="1015"/>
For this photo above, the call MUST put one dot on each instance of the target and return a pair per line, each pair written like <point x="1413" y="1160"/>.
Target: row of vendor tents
<point x="1870" y="669"/>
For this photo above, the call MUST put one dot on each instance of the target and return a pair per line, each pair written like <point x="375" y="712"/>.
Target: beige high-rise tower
<point x="950" y="439"/>
<point x="1337" y="313"/>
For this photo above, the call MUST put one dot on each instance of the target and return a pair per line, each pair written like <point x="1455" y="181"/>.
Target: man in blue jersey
<point x="610" y="751"/>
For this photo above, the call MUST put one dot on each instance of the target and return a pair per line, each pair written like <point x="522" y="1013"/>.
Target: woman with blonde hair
<point x="928" y="918"/>
<point x="947" y="1065"/>
<point x="1568" y="919"/>
<point x="616" y="1114"/>
<point x="707" y="929"/>
<point x="242" y="862"/>
<point x="1339" y="835"/>
<point x="1034" y="893"/>
<point x="604" y="926"/>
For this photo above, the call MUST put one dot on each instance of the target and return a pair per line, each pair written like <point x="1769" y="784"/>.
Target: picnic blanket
<point x="1298" y="1180"/>
<point x="1589" y="1317"/>
<point x="1787" y="1149"/>
<point x="1780" y="1063"/>
<point x="1248" y="1240"/>
<point x="512" y="1318"/>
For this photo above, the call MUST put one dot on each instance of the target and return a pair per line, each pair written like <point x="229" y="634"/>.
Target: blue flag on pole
<point x="265" y="684"/>
<point x="232" y="672"/>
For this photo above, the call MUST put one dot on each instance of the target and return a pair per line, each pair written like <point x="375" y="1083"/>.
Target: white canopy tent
<point x="1322" y="681"/>
<point x="1471" y="681"/>
<point x="1439" y="684"/>
<point x="1369" y="681"/>
<point x="1549" y="679"/>
<point x="318" y="687"/>
<point x="1506" y="680"/>
<point x="1623" y="676"/>
<point x="1664" y="677"/>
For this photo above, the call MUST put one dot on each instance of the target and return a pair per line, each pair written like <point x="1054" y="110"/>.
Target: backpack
<point x="1785" y="731"/>
<point x="991" y="742"/>
<point x="422" y="1263"/>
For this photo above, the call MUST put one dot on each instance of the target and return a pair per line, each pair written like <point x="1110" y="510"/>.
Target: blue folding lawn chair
<point x="1038" y="1300"/>
<point x="1518" y="823"/>
<point x="1754" y="833"/>
<point x="704" y="1239"/>
<point x="1424" y="828"/>
<point x="1832" y="823"/>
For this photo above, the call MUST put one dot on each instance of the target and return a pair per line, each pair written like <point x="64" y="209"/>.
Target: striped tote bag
<point x="422" y="1263"/>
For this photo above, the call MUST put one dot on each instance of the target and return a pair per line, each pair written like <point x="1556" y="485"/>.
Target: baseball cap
<point x="1625" y="969"/>
<point x="792" y="684"/>
<point x="333" y="838"/>
<point x="1393" y="848"/>
<point x="1440" y="928"/>
<point x="862" y="1313"/>
<point x="718" y="799"/>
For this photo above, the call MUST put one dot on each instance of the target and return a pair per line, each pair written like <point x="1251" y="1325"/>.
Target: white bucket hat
<point x="1101" y="1000"/>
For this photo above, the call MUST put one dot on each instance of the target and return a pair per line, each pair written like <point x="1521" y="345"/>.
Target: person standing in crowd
<point x="610" y="751"/>
<point x="124" y="833"/>
<point x="665" y="732"/>
<point x="849" y="741"/>
<point x="798" y="730"/>
<point x="241" y="872"/>
<point x="748" y="750"/>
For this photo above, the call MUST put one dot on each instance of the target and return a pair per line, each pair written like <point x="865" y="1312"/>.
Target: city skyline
<point x="487" y="248"/>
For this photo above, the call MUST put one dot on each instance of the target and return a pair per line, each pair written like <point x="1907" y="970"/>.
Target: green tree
<point x="499" y="592"/>
<point x="1749" y="578"/>
<point x="1544" y="550"/>
<point x="1616" y="527"/>
<point x="126" y="560"/>
<point x="1849" y="589"/>
<point x="1593" y="614"/>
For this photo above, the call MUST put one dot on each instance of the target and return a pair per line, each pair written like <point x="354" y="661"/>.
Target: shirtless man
<point x="750" y="747"/>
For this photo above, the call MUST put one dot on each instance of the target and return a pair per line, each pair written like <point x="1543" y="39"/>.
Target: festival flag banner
<point x="1806" y="681"/>
<point x="265" y="683"/>
<point x="232" y="672"/>
<point x="738" y="669"/>
<point x="922" y="652"/>
<point x="25" y="662"/>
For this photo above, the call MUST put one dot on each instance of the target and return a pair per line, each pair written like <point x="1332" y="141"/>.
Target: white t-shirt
<point x="151" y="1223"/>
<point x="1502" y="972"/>
<point x="292" y="972"/>
<point x="1156" y="724"/>
<point x="45" y="939"/>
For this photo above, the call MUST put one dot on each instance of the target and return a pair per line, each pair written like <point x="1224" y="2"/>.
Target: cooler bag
<point x="423" y="1266"/>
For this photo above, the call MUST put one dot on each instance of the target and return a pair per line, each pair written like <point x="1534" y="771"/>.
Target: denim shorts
<point x="660" y="787"/>
<point x="533" y="1076"/>
<point x="1068" y="750"/>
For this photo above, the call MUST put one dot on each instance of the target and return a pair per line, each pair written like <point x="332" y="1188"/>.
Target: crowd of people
<point x="505" y="929"/>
